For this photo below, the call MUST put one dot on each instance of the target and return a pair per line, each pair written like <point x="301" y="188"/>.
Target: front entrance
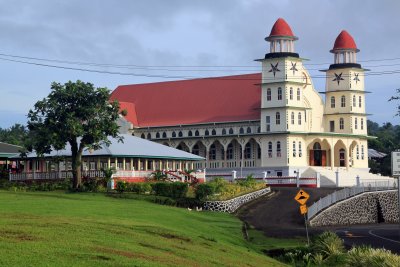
<point x="317" y="156"/>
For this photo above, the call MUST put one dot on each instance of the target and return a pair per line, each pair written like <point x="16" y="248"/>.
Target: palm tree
<point x="158" y="175"/>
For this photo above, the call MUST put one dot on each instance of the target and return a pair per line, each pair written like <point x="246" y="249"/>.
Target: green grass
<point x="61" y="229"/>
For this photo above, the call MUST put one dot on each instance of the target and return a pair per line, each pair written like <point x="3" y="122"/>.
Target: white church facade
<point x="274" y="122"/>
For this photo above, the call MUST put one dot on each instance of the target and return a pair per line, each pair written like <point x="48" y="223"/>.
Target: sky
<point x="158" y="40"/>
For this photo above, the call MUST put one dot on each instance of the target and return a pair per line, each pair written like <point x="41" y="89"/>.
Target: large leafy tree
<point x="15" y="135"/>
<point x="74" y="113"/>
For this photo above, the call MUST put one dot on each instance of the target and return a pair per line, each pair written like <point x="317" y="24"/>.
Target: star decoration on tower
<point x="356" y="78"/>
<point x="338" y="78"/>
<point x="293" y="68"/>
<point x="274" y="69"/>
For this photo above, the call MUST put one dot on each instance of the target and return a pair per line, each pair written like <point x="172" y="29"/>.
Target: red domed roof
<point x="281" y="28"/>
<point x="344" y="41"/>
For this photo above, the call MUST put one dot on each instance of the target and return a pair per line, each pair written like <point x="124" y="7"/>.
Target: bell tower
<point x="345" y="94"/>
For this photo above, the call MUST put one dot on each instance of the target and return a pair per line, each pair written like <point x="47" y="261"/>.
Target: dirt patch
<point x="154" y="247"/>
<point x="17" y="236"/>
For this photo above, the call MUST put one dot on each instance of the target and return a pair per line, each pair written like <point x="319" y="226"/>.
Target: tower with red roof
<point x="345" y="102"/>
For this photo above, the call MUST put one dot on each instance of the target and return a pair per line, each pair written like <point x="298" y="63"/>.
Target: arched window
<point x="298" y="94"/>
<point x="206" y="133"/>
<point x="267" y="123"/>
<point x="362" y="124"/>
<point x="357" y="152"/>
<point x="173" y="134"/>
<point x="196" y="133"/>
<point x="332" y="102"/>
<point x="229" y="151"/>
<point x="300" y="150"/>
<point x="213" y="152"/>
<point x="355" y="123"/>
<point x="359" y="101"/>
<point x="269" y="94"/>
<point x="157" y="135"/>
<point x="292" y="117"/>
<point x="143" y="136"/>
<point x="223" y="131"/>
<point x="247" y="151"/>
<point x="148" y="136"/>
<point x="354" y="101"/>
<point x="278" y="149"/>
<point x="230" y="131"/>
<point x="196" y="149"/>
<point x="362" y="151"/>
<point x="164" y="135"/>
<point x="299" y="118"/>
<point x="278" y="118"/>
<point x="248" y="130"/>
<point x="190" y="133"/>
<point x="291" y="93"/>
<point x="294" y="148"/>
<point x="180" y="134"/>
<point x="259" y="129"/>
<point x="341" y="123"/>
<point x="279" y="93"/>
<point x="269" y="149"/>
<point x="317" y="146"/>
<point x="241" y="131"/>
<point x="343" y="101"/>
<point x="213" y="132"/>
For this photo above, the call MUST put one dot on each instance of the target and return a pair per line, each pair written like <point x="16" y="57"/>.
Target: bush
<point x="219" y="184"/>
<point x="174" y="190"/>
<point x="367" y="256"/>
<point x="327" y="244"/>
<point x="139" y="188"/>
<point x="204" y="191"/>
<point x="161" y="189"/>
<point x="121" y="186"/>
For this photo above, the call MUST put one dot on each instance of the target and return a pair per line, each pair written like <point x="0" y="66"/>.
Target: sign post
<point x="396" y="173"/>
<point x="302" y="197"/>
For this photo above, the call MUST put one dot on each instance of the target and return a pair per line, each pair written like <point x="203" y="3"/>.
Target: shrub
<point x="203" y="191"/>
<point x="219" y="184"/>
<point x="121" y="186"/>
<point x="367" y="256"/>
<point x="327" y="244"/>
<point x="139" y="188"/>
<point x="179" y="189"/>
<point x="89" y="184"/>
<point x="161" y="189"/>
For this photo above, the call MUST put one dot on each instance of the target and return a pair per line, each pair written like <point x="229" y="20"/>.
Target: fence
<point x="366" y="186"/>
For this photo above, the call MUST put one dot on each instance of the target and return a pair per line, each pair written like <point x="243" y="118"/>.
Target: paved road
<point x="278" y="216"/>
<point x="377" y="235"/>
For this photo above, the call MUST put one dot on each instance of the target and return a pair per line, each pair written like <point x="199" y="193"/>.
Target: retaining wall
<point x="233" y="204"/>
<point x="366" y="208"/>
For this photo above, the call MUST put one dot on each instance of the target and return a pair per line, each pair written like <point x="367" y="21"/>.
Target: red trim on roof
<point x="344" y="41"/>
<point x="219" y="99"/>
<point x="281" y="28"/>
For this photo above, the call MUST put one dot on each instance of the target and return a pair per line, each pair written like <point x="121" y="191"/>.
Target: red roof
<point x="281" y="28"/>
<point x="219" y="99"/>
<point x="344" y="41"/>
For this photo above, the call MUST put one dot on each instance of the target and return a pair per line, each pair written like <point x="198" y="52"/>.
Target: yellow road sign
<point x="303" y="209"/>
<point x="302" y="197"/>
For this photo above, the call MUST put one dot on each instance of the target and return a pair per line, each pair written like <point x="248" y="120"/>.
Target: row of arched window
<point x="279" y="96"/>
<point x="343" y="101"/>
<point x="361" y="123"/>
<point x="207" y="132"/>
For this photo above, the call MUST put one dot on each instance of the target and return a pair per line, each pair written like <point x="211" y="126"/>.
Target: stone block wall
<point x="233" y="204"/>
<point x="366" y="208"/>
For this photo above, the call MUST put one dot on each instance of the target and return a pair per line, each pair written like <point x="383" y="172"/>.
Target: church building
<point x="274" y="122"/>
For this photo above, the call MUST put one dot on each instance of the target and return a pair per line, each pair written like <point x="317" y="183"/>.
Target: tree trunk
<point x="76" y="165"/>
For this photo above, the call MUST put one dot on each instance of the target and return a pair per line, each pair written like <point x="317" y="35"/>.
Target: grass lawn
<point x="61" y="229"/>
